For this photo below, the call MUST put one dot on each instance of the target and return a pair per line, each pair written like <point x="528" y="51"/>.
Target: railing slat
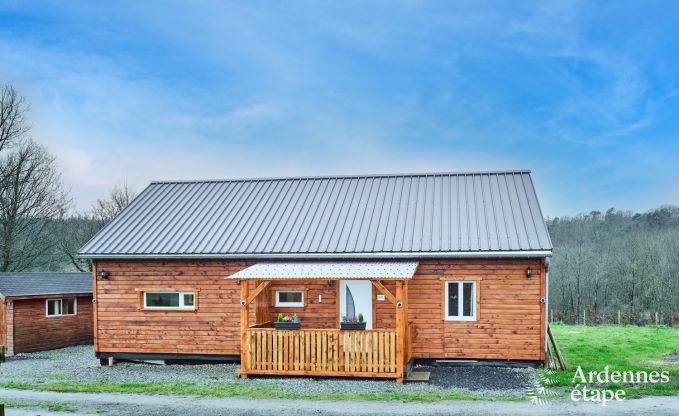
<point x="322" y="352"/>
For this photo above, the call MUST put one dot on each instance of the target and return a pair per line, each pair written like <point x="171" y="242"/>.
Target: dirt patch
<point x="671" y="360"/>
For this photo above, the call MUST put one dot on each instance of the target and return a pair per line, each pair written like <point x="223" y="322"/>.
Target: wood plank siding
<point x="3" y="324"/>
<point x="123" y="326"/>
<point x="509" y="325"/>
<point x="31" y="330"/>
<point x="510" y="317"/>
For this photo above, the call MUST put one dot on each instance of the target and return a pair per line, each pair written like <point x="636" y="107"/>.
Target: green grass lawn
<point x="621" y="348"/>
<point x="245" y="390"/>
<point x="53" y="407"/>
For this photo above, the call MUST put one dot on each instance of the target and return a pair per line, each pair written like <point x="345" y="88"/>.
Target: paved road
<point x="135" y="404"/>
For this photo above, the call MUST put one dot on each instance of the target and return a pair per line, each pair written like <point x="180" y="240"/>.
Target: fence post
<point x="656" y="318"/>
<point x="584" y="317"/>
<point x="619" y="318"/>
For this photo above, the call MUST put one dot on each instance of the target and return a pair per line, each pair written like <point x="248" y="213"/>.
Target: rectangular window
<point x="61" y="307"/>
<point x="293" y="298"/>
<point x="460" y="300"/>
<point x="169" y="300"/>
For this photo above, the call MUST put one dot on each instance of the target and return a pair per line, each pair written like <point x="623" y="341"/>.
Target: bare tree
<point x="104" y="210"/>
<point x="72" y="232"/>
<point x="13" y="125"/>
<point x="32" y="198"/>
<point x="76" y="229"/>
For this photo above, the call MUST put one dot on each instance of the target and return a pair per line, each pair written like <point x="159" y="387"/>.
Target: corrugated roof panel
<point x="431" y="213"/>
<point x="489" y="214"/>
<point x="482" y="207"/>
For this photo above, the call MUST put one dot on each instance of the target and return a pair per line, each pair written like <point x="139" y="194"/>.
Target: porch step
<point x="418" y="376"/>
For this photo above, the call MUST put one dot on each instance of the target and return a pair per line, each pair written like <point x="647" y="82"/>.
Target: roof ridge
<point x="356" y="176"/>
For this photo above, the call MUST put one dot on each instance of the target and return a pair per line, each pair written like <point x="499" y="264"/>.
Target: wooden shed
<point x="440" y="266"/>
<point x="45" y="310"/>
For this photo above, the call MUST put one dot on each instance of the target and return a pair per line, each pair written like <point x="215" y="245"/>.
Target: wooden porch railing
<point x="322" y="352"/>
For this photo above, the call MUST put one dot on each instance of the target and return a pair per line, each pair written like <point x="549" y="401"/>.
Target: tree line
<point x="612" y="262"/>
<point x="39" y="227"/>
<point x="603" y="262"/>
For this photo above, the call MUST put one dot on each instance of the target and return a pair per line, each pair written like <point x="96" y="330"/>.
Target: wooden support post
<point x="2" y="353"/>
<point x="111" y="361"/>
<point x="244" y="325"/>
<point x="400" y="331"/>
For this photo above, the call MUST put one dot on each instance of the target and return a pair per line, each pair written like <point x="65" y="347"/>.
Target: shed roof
<point x="44" y="283"/>
<point x="329" y="270"/>
<point x="374" y="216"/>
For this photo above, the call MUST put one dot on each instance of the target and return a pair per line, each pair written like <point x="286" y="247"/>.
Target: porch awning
<point x="344" y="270"/>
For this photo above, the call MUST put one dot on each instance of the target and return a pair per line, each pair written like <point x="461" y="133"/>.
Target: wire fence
<point x="588" y="317"/>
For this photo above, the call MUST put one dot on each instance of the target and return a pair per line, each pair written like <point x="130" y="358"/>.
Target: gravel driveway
<point x="79" y="365"/>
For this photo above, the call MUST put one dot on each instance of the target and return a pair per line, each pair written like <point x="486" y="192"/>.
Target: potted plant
<point x="352" y="322"/>
<point x="287" y="322"/>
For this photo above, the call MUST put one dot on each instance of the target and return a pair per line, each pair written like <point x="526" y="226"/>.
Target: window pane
<point x="166" y="300"/>
<point x="452" y="299"/>
<point x="467" y="299"/>
<point x="188" y="299"/>
<point x="69" y="306"/>
<point x="290" y="297"/>
<point x="53" y="307"/>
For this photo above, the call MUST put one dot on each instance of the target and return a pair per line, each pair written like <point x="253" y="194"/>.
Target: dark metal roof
<point x="480" y="212"/>
<point x="44" y="283"/>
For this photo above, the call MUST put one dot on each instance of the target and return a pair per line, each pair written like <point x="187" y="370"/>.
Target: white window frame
<point x="61" y="307"/>
<point x="181" y="306"/>
<point x="460" y="305"/>
<point x="290" y="304"/>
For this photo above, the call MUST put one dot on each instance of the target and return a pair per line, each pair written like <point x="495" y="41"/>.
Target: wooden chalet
<point x="45" y="310"/>
<point x="440" y="266"/>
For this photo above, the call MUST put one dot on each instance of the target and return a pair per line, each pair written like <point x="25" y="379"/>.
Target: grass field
<point x="621" y="348"/>
<point x="256" y="392"/>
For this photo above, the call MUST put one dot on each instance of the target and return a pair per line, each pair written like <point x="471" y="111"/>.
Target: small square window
<point x="61" y="307"/>
<point x="188" y="299"/>
<point x="68" y="306"/>
<point x="460" y="300"/>
<point x="290" y="298"/>
<point x="53" y="307"/>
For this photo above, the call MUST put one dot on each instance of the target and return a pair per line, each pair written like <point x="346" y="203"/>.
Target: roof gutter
<point x="378" y="255"/>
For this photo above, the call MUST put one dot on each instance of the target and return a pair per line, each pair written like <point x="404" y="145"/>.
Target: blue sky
<point x="585" y="94"/>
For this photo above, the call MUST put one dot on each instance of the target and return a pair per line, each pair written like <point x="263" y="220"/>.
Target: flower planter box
<point x="287" y="325"/>
<point x="354" y="326"/>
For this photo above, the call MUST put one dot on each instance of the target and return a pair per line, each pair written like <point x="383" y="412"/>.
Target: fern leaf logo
<point x="538" y="391"/>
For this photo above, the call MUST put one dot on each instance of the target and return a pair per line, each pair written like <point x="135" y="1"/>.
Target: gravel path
<point x="146" y="405"/>
<point x="79" y="365"/>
